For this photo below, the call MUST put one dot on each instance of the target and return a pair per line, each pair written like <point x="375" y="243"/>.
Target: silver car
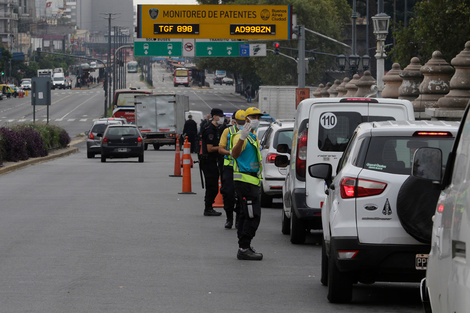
<point x="95" y="134"/>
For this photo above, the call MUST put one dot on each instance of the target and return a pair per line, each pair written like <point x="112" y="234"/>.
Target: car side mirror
<point x="427" y="164"/>
<point x="282" y="148"/>
<point x="281" y="161"/>
<point x="321" y="171"/>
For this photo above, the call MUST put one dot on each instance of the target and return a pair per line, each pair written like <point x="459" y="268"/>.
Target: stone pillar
<point x="324" y="92"/>
<point x="392" y="82"/>
<point x="459" y="94"/>
<point x="342" y="87"/>
<point x="351" y="87"/>
<point x="364" y="84"/>
<point x="412" y="78"/>
<point x="332" y="91"/>
<point x="318" y="91"/>
<point x="436" y="82"/>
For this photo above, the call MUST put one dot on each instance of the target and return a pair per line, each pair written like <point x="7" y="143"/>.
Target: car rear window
<point x="122" y="131"/>
<point x="335" y="129"/>
<point x="283" y="137"/>
<point x="395" y="154"/>
<point x="99" y="128"/>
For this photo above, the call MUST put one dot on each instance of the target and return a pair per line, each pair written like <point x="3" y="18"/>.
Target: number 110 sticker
<point x="328" y="120"/>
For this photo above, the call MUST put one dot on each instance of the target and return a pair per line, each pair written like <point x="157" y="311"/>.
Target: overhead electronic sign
<point x="214" y="21"/>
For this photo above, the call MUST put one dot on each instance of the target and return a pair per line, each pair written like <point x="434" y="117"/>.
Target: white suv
<point x="279" y="134"/>
<point x="446" y="287"/>
<point x="377" y="219"/>
<point x="322" y="129"/>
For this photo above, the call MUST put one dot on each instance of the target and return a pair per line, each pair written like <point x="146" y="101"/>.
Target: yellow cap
<point x="253" y="111"/>
<point x="240" y="115"/>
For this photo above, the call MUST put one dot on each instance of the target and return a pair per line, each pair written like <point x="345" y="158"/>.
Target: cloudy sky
<point x="164" y="2"/>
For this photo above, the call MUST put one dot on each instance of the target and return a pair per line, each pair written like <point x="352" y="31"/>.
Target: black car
<point x="218" y="80"/>
<point x="122" y="141"/>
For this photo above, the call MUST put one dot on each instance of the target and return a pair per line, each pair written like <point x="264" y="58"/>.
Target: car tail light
<point x="105" y="140"/>
<point x="90" y="136"/>
<point x="139" y="139"/>
<point x="347" y="254"/>
<point x="301" y="159"/>
<point x="271" y="157"/>
<point x="356" y="188"/>
<point x="432" y="134"/>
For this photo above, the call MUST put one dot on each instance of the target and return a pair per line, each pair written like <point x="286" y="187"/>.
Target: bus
<point x="132" y="67"/>
<point x="181" y="77"/>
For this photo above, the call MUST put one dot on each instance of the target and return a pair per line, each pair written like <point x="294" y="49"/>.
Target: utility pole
<point x="301" y="61"/>
<point x="108" y="62"/>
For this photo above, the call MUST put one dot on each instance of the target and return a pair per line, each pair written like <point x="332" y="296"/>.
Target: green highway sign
<point x="158" y="48"/>
<point x="217" y="49"/>
<point x="198" y="48"/>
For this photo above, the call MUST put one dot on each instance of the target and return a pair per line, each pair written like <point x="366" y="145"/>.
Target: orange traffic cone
<point x="177" y="171"/>
<point x="219" y="201"/>
<point x="186" y="168"/>
<point x="190" y="157"/>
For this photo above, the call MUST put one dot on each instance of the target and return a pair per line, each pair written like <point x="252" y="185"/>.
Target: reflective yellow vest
<point x="245" y="159"/>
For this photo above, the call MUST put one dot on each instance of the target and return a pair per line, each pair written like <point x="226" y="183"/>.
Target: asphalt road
<point x="78" y="235"/>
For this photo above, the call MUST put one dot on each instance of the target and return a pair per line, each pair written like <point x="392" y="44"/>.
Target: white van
<point x="58" y="81"/>
<point x="446" y="287"/>
<point x="322" y="129"/>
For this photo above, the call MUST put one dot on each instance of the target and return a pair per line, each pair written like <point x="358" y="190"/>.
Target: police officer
<point x="210" y="160"/>
<point x="228" y="188"/>
<point x="247" y="178"/>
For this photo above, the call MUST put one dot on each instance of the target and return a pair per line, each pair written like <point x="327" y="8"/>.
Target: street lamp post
<point x="354" y="62"/>
<point x="381" y="23"/>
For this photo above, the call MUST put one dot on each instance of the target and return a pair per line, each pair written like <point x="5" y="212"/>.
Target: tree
<point x="324" y="16"/>
<point x="436" y="25"/>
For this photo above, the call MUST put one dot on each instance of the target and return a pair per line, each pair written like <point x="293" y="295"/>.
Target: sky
<point x="164" y="2"/>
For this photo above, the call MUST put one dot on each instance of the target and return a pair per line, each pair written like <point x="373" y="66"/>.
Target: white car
<point x="446" y="287"/>
<point x="377" y="219"/>
<point x="322" y="129"/>
<point x="278" y="133"/>
<point x="25" y="84"/>
<point x="227" y="80"/>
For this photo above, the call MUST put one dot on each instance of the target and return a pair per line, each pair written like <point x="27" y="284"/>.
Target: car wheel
<point x="90" y="155"/>
<point x="156" y="146"/>
<point x="416" y="204"/>
<point x="141" y="158"/>
<point x="298" y="232"/>
<point x="266" y="201"/>
<point x="103" y="158"/>
<point x="324" y="264"/>
<point x="339" y="284"/>
<point x="285" y="223"/>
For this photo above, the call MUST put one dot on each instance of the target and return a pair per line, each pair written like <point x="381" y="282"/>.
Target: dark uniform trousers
<point x="228" y="192"/>
<point x="211" y="176"/>
<point x="247" y="226"/>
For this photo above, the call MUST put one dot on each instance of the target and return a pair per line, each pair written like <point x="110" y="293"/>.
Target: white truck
<point x="278" y="101"/>
<point x="58" y="81"/>
<point x="160" y="117"/>
<point x="46" y="73"/>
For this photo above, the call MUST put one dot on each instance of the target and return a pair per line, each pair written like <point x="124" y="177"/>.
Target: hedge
<point x="21" y="142"/>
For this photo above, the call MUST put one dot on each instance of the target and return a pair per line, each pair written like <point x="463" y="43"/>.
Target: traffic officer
<point x="247" y="179"/>
<point x="228" y="189"/>
<point x="210" y="160"/>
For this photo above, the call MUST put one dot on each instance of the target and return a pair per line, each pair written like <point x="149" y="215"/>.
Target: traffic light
<point x="276" y="46"/>
<point x="38" y="52"/>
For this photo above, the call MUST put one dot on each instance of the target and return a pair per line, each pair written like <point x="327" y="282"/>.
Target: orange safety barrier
<point x="177" y="171"/>
<point x="186" y="168"/>
<point x="219" y="201"/>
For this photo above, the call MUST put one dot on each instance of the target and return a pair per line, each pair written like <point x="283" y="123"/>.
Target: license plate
<point x="421" y="261"/>
<point x="122" y="149"/>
